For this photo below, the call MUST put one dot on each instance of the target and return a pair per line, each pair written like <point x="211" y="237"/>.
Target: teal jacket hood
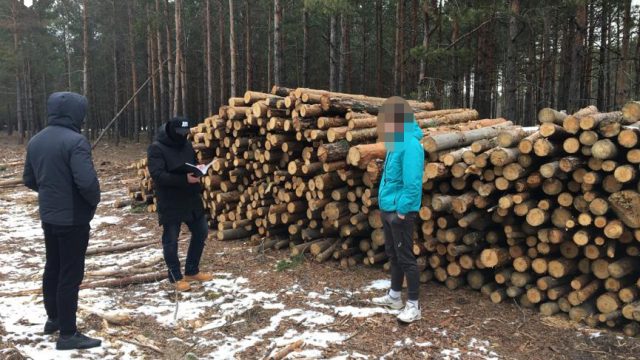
<point x="401" y="184"/>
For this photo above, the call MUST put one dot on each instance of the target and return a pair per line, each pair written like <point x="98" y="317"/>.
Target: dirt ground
<point x="251" y="309"/>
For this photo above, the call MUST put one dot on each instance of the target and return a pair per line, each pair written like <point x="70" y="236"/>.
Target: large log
<point x="626" y="205"/>
<point x="461" y="138"/>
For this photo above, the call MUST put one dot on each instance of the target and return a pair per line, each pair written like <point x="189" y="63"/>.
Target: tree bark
<point x="208" y="59"/>
<point x="233" y="51"/>
<point x="511" y="68"/>
<point x="178" y="65"/>
<point x="577" y="58"/>
<point x="622" y="92"/>
<point x="305" y="45"/>
<point x="345" y="54"/>
<point x="116" y="81"/>
<point x="602" y="58"/>
<point x="162" y="108"/>
<point x="379" y="48"/>
<point x="222" y="54"/>
<point x="16" y="49"/>
<point x="398" y="67"/>
<point x="425" y="41"/>
<point x="170" y="69"/>
<point x="134" y="76"/>
<point x="248" y="53"/>
<point x="334" y="61"/>
<point x="277" y="46"/>
<point x="85" y="48"/>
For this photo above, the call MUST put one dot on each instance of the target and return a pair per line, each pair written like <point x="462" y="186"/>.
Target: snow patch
<point x="381" y="284"/>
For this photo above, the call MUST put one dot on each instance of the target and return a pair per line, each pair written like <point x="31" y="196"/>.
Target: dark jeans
<point x="171" y="231"/>
<point x="398" y="244"/>
<point x="63" y="272"/>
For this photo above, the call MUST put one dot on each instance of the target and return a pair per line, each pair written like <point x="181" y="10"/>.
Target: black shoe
<point x="51" y="326"/>
<point x="77" y="341"/>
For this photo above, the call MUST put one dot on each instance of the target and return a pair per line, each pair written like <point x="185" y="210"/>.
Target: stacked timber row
<point x="139" y="188"/>
<point x="549" y="217"/>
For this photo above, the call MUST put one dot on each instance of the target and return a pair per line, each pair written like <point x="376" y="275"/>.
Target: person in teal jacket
<point x="399" y="197"/>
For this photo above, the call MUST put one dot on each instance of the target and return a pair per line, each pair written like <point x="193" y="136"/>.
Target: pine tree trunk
<point x="455" y="85"/>
<point x="232" y="51"/>
<point x="483" y="85"/>
<point x="116" y="81"/>
<point x="577" y="58"/>
<point x="425" y="41"/>
<point x="170" y="68"/>
<point x="398" y="67"/>
<point x="364" y="83"/>
<point x="162" y="100"/>
<point x="16" y="49"/>
<point x="183" y="81"/>
<point x="248" y="53"/>
<point x="345" y="54"/>
<point x="511" y="68"/>
<point x="85" y="49"/>
<point x="134" y="77"/>
<point x="277" y="46"/>
<point x="333" y="54"/>
<point x="222" y="54"/>
<point x="154" y="82"/>
<point x="586" y="75"/>
<point x="305" y="45"/>
<point x="622" y="93"/>
<point x="208" y="59"/>
<point x="178" y="63"/>
<point x="602" y="58"/>
<point x="379" y="48"/>
<point x="269" y="51"/>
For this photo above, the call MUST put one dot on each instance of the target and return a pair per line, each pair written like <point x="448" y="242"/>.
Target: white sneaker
<point x="388" y="301"/>
<point x="410" y="313"/>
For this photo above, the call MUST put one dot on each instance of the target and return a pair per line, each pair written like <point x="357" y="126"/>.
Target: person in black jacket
<point x="59" y="167"/>
<point x="179" y="200"/>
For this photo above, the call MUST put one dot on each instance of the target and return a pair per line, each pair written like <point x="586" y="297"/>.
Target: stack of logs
<point x="548" y="216"/>
<point x="544" y="215"/>
<point x="139" y="187"/>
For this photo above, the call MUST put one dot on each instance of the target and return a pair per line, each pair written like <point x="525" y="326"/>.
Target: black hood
<point x="67" y="109"/>
<point x="173" y="140"/>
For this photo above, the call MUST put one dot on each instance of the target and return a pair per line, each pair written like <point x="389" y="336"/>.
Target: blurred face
<point x="393" y="115"/>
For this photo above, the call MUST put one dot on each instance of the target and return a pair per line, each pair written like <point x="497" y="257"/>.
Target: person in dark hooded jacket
<point x="179" y="200"/>
<point x="59" y="167"/>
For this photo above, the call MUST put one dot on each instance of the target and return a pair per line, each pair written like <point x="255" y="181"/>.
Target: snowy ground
<point x="217" y="321"/>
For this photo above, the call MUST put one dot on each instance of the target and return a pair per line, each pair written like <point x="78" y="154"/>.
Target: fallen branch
<point x="129" y="280"/>
<point x="25" y="292"/>
<point x="142" y="344"/>
<point x="288" y="350"/>
<point x="10" y="183"/>
<point x="118" y="248"/>
<point x="11" y="163"/>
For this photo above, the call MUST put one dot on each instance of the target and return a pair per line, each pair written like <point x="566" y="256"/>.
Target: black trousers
<point x="63" y="272"/>
<point x="398" y="244"/>
<point x="171" y="231"/>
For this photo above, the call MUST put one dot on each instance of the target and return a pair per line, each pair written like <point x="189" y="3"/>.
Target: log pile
<point x="546" y="215"/>
<point x="139" y="188"/>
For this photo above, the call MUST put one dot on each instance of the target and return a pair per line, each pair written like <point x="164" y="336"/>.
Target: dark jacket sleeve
<point x="84" y="174"/>
<point x="28" y="176"/>
<point x="159" y="174"/>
